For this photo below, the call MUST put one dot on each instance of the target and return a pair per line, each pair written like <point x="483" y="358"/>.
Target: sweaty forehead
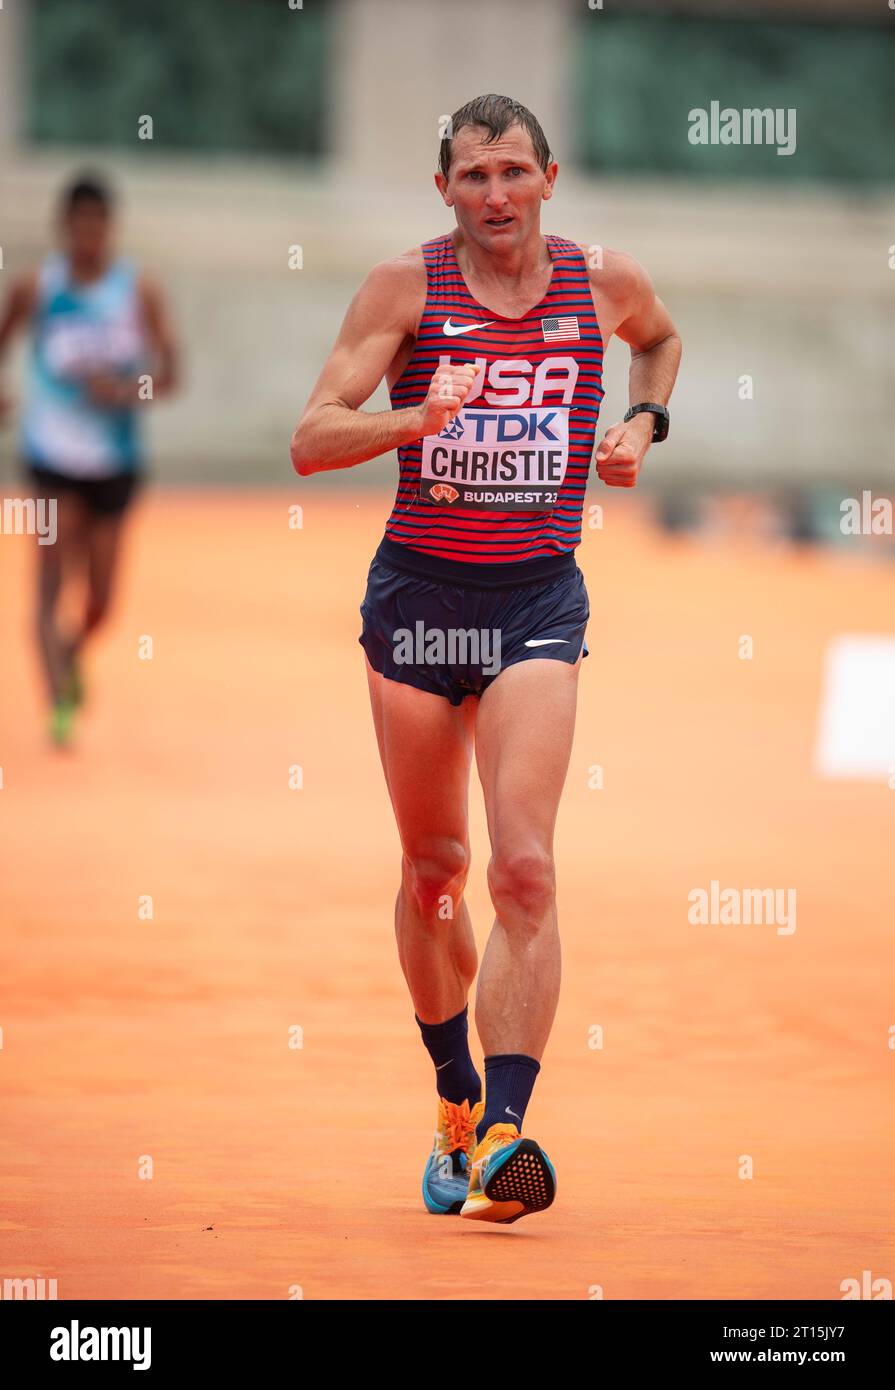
<point x="471" y="146"/>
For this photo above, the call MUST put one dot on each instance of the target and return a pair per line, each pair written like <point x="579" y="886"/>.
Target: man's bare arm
<point x="655" y="345"/>
<point x="631" y="309"/>
<point x="17" y="310"/>
<point x="333" y="431"/>
<point x="162" y="340"/>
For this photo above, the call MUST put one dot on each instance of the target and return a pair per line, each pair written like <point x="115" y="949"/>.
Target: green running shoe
<point x="62" y="723"/>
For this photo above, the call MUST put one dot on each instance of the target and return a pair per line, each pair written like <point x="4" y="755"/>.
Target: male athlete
<point x="101" y="347"/>
<point x="491" y="339"/>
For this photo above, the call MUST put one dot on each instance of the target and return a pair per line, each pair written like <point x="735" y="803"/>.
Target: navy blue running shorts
<point x="454" y="638"/>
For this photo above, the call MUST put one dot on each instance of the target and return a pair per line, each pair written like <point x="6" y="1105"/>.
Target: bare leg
<point x="523" y="744"/>
<point x="103" y="552"/>
<point x="54" y="564"/>
<point x="425" y="744"/>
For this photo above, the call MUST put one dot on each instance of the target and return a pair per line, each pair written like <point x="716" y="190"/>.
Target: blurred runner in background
<point x="101" y="347"/>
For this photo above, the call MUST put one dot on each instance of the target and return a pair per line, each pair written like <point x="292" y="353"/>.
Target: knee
<point x="522" y="883"/>
<point x="435" y="871"/>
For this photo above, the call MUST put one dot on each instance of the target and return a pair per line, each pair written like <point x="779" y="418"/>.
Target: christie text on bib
<point x="499" y="460"/>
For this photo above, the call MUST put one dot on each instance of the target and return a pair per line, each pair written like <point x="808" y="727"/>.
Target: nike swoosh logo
<point x="453" y="330"/>
<point x="443" y="1065"/>
<point x="544" y="641"/>
<point x="508" y="1111"/>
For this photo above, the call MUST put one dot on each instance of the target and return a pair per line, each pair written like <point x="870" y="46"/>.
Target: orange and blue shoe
<point x="446" y="1178"/>
<point x="509" y="1177"/>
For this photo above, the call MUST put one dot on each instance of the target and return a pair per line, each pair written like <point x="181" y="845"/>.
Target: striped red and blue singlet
<point x="504" y="482"/>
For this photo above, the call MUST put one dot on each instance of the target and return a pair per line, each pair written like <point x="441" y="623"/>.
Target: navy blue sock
<point x="456" y="1079"/>
<point x="509" y="1082"/>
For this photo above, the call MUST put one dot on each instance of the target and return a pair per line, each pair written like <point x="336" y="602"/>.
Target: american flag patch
<point x="560" y="328"/>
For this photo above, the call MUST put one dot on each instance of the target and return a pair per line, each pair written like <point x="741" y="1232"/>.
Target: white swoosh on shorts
<point x="453" y="330"/>
<point x="544" y="641"/>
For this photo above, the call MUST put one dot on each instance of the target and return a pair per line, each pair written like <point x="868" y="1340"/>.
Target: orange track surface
<point x="276" y="1167"/>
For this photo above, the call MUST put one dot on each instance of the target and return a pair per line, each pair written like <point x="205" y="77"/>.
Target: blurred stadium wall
<point x="317" y="127"/>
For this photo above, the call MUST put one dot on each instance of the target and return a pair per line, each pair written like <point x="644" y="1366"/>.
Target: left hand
<point x="622" y="450"/>
<point x="113" y="392"/>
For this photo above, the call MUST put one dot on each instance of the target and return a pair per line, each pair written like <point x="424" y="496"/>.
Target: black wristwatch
<point x="660" y="431"/>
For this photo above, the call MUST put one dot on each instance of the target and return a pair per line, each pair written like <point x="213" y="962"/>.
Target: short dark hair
<point x="86" y="188"/>
<point x="496" y="114"/>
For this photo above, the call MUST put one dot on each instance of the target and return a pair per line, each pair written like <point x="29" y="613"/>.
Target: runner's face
<point x="87" y="233"/>
<point x="496" y="188"/>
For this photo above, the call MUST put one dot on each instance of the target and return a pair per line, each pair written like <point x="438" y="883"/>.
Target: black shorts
<point x="454" y="638"/>
<point x="102" y="496"/>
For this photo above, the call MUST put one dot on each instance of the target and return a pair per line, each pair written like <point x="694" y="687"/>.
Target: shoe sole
<point x="521" y="1183"/>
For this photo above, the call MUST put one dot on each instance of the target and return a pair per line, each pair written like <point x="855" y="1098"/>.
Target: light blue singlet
<point x="80" y="330"/>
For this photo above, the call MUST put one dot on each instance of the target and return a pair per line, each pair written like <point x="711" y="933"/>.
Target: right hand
<point x="448" y="390"/>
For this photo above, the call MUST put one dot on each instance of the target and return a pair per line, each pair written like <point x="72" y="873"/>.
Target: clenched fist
<point x="111" y="392"/>
<point x="622" y="451"/>
<point x="448" y="390"/>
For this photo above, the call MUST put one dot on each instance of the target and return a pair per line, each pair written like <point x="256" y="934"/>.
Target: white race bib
<point x="498" y="460"/>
